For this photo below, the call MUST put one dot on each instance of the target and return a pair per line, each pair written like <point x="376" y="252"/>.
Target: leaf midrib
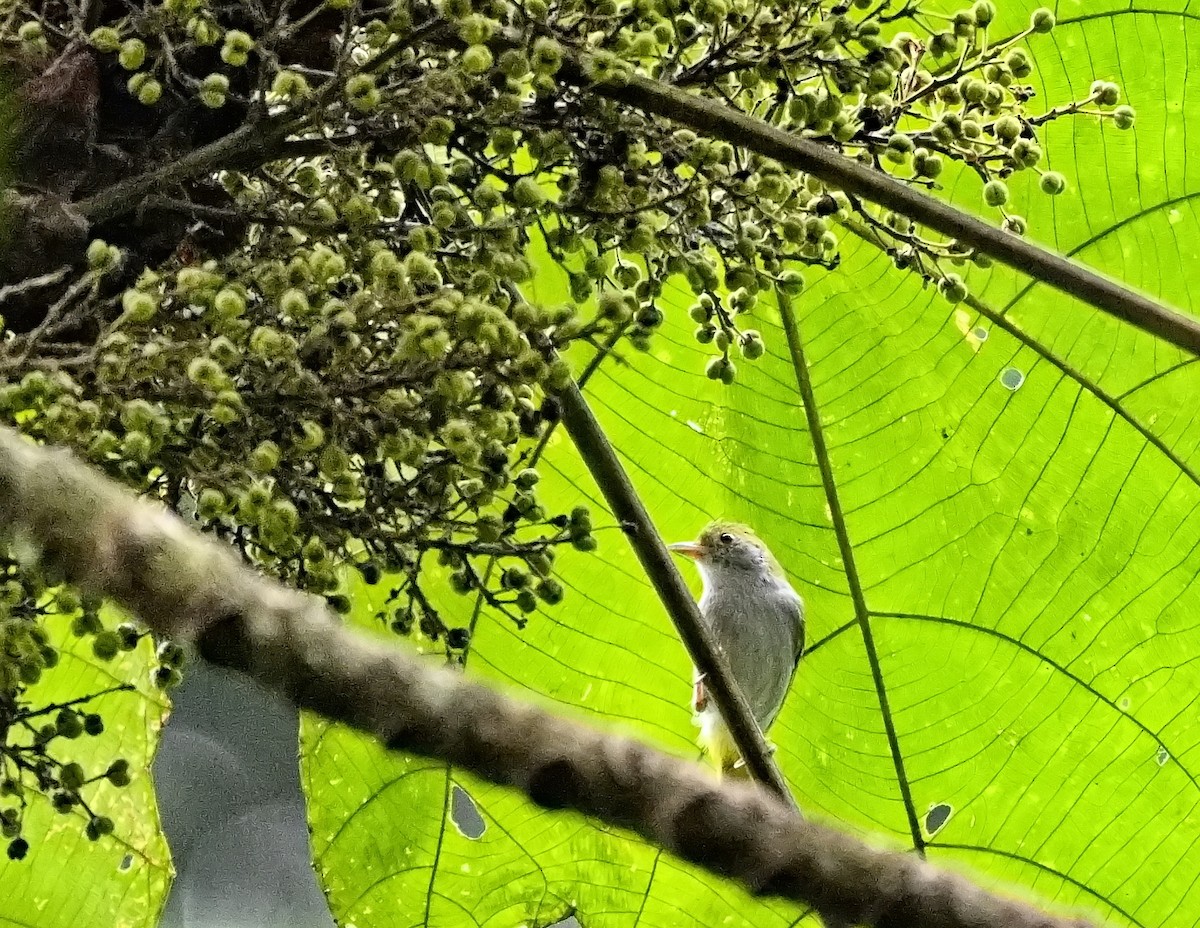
<point x="849" y="565"/>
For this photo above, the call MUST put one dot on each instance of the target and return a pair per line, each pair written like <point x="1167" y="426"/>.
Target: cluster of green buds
<point x="466" y="147"/>
<point x="348" y="397"/>
<point x="910" y="103"/>
<point x="32" y="733"/>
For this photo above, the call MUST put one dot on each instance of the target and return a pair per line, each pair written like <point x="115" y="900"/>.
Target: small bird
<point x="757" y="620"/>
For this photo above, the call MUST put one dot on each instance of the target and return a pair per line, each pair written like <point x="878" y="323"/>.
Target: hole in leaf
<point x="936" y="817"/>
<point x="569" y="922"/>
<point x="980" y="333"/>
<point x="126" y="863"/>
<point x="1012" y="378"/>
<point x="465" y="814"/>
<point x="1162" y="756"/>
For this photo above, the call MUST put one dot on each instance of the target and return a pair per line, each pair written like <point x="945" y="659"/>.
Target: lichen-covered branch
<point x="185" y="585"/>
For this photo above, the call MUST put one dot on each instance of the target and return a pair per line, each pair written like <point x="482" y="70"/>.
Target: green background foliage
<point x="1026" y="559"/>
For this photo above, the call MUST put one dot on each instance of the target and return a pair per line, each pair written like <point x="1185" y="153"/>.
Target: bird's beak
<point x="691" y="549"/>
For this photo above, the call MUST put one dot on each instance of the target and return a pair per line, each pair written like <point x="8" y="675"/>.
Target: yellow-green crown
<point x="715" y="535"/>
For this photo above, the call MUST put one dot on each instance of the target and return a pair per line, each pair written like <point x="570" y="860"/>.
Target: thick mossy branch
<point x="716" y="120"/>
<point x="600" y="458"/>
<point x="184" y="584"/>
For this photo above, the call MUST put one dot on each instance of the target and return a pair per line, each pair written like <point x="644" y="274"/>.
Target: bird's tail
<point x="717" y="745"/>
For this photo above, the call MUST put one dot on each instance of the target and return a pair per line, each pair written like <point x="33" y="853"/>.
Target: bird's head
<point x="725" y="547"/>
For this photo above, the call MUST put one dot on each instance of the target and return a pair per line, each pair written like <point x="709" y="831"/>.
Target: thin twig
<point x="35" y="283"/>
<point x="125" y="196"/>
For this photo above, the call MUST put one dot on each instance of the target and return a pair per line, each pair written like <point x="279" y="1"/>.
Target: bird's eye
<point x="726" y="538"/>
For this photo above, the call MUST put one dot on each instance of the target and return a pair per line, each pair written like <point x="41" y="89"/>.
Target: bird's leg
<point x="699" y="695"/>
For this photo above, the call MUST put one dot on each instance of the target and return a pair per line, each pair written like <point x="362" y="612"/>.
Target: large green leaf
<point x="997" y="548"/>
<point x="67" y="881"/>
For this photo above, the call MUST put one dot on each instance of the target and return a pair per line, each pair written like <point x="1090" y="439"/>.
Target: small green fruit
<point x="1042" y="20"/>
<point x="995" y="193"/>
<point x="1053" y="183"/>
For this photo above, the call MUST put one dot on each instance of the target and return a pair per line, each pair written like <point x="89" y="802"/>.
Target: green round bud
<point x="514" y="578"/>
<point x="477" y="59"/>
<point x="1052" y="183"/>
<point x="138" y="305"/>
<point x="1042" y="20"/>
<point x="290" y="84"/>
<point x="1106" y="93"/>
<point x="102" y="256"/>
<point x="1007" y="127"/>
<point x="438" y="131"/>
<point x="995" y="193"/>
<point x="132" y="55"/>
<point x="129" y="635"/>
<point x="118" y="772"/>
<point x="312" y="436"/>
<point x="294" y="302"/>
<point x="953" y="288"/>
<point x="791" y="282"/>
<point x="752" y="345"/>
<point x="229" y="303"/>
<point x="136" y="446"/>
<point x="213" y="90"/>
<point x="550" y="591"/>
<point x="72" y="776"/>
<point x="233" y="57"/>
<point x="1026" y="153"/>
<point x="69" y="724"/>
<point x="204" y="371"/>
<point x="150" y="92"/>
<point x="106" y="645"/>
<point x="361" y="92"/>
<point x="238" y="41"/>
<point x="105" y="39"/>
<point x="265" y="457"/>
<point x="527" y="193"/>
<point x="166" y="678"/>
<point x="984" y="12"/>
<point x="1015" y="224"/>
<point x="547" y="56"/>
<point x="1018" y="63"/>
<point x="1123" y="117"/>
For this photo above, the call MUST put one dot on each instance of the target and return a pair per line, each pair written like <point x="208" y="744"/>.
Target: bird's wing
<point x="799" y="629"/>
